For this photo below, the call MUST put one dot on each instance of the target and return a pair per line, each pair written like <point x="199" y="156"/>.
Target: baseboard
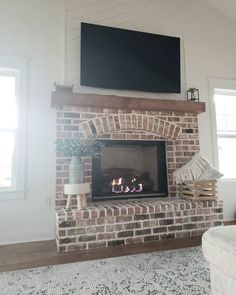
<point x="29" y="236"/>
<point x="230" y="222"/>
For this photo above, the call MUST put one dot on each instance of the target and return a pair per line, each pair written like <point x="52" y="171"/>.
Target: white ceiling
<point x="226" y="7"/>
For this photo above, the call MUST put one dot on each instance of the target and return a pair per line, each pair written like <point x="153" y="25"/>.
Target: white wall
<point x="210" y="46"/>
<point x="208" y="50"/>
<point x="34" y="29"/>
<point x="159" y="16"/>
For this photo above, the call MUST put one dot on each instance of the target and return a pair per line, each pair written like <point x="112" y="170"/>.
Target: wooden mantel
<point x="65" y="97"/>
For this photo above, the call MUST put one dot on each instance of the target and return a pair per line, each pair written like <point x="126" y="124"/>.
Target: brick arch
<point x="122" y="123"/>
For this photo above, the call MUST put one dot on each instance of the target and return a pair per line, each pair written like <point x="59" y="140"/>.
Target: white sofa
<point x="219" y="248"/>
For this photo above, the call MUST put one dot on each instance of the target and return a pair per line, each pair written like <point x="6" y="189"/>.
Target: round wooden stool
<point x="79" y="189"/>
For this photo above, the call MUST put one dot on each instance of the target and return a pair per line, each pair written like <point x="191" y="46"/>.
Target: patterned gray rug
<point x="177" y="272"/>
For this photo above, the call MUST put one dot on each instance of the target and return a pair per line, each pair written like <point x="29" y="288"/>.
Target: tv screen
<point x="129" y="60"/>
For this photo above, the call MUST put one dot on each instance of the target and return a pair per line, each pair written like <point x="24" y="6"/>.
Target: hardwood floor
<point x="44" y="253"/>
<point x="230" y="222"/>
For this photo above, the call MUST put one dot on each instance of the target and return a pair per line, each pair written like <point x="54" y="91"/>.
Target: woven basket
<point x="204" y="190"/>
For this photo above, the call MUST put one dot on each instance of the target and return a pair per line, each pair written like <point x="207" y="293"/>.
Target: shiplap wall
<point x="153" y="16"/>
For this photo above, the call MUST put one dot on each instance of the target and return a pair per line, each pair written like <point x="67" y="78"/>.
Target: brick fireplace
<point x="120" y="222"/>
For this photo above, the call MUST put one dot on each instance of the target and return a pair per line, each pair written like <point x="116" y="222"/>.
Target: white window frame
<point x="221" y="86"/>
<point x="19" y="66"/>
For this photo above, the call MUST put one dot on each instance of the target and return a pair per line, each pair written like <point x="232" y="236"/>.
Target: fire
<point x="117" y="181"/>
<point x="119" y="186"/>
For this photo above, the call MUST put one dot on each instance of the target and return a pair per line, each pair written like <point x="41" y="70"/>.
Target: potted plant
<point x="77" y="148"/>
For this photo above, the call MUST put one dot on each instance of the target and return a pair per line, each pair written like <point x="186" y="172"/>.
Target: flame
<point x="117" y="181"/>
<point x="118" y="188"/>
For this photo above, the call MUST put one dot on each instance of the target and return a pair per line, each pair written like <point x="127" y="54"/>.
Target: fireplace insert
<point x="129" y="169"/>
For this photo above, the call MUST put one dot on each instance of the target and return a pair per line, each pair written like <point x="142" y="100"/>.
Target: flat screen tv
<point x="129" y="60"/>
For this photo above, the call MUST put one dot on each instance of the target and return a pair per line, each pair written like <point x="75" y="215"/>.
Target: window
<point x="12" y="126"/>
<point x="225" y="109"/>
<point x="8" y="126"/>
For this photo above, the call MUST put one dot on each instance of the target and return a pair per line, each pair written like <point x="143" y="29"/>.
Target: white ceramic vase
<point x="76" y="171"/>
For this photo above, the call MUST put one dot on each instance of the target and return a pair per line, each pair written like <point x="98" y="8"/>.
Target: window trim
<point x="18" y="65"/>
<point x="222" y="86"/>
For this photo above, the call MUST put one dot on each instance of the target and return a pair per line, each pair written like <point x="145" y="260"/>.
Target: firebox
<point x="129" y="169"/>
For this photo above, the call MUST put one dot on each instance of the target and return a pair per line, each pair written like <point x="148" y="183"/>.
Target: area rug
<point x="175" y="272"/>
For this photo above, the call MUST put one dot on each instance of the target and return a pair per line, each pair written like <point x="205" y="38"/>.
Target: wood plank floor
<point x="44" y="253"/>
<point x="230" y="222"/>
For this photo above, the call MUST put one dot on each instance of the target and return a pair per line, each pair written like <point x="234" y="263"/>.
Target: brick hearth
<point x="112" y="223"/>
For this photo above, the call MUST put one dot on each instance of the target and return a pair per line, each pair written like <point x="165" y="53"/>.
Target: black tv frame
<point x="108" y="63"/>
